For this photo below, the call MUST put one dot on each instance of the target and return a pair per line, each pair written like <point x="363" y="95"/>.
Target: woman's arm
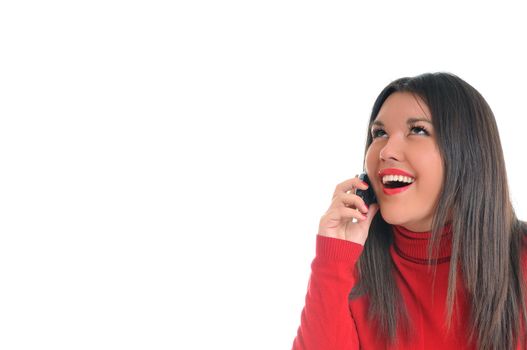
<point x="326" y="322"/>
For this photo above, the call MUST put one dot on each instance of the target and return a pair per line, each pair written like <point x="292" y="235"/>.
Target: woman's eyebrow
<point x="408" y="121"/>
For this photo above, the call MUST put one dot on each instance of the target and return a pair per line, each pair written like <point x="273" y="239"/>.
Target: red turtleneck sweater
<point x="330" y="322"/>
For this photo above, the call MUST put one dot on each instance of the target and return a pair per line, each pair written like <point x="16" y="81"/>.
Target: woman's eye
<point x="419" y="130"/>
<point x="377" y="133"/>
<point x="415" y="130"/>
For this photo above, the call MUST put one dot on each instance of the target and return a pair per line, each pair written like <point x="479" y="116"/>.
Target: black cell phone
<point x="368" y="196"/>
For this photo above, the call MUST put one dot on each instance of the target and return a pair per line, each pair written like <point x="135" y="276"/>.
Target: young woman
<point x="439" y="261"/>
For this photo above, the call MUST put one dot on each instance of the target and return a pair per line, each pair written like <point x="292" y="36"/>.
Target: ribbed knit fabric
<point x="414" y="245"/>
<point x="329" y="321"/>
<point x="337" y="250"/>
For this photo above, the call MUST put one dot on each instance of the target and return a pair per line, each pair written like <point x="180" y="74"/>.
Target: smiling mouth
<point x="393" y="184"/>
<point x="396" y="184"/>
<point x="396" y="181"/>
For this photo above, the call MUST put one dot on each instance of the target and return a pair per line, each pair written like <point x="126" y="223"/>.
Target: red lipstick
<point x="390" y="191"/>
<point x="394" y="171"/>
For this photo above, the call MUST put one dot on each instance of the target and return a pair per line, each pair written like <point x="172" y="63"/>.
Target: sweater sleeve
<point x="326" y="321"/>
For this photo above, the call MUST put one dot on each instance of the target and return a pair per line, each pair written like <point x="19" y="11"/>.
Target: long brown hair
<point x="487" y="236"/>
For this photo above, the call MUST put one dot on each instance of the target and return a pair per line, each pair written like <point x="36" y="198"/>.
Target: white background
<point x="164" y="165"/>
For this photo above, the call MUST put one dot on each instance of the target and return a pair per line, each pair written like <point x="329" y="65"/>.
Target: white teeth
<point x="399" y="178"/>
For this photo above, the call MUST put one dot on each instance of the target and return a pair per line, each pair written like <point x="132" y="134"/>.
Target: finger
<point x="350" y="185"/>
<point x="343" y="212"/>
<point x="349" y="213"/>
<point x="354" y="201"/>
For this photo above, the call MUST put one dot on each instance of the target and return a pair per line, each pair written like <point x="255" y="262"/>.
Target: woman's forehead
<point x="403" y="106"/>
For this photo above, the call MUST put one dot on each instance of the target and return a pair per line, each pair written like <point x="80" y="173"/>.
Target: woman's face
<point x="404" y="140"/>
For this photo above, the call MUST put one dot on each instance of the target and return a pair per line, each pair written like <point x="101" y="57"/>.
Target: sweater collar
<point x="413" y="246"/>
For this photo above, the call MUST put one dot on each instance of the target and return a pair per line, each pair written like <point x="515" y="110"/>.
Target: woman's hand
<point x="337" y="222"/>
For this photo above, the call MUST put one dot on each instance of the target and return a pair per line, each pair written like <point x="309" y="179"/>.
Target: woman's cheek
<point x="369" y="160"/>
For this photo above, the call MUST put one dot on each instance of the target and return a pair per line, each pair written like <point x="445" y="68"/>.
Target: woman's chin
<point x="391" y="217"/>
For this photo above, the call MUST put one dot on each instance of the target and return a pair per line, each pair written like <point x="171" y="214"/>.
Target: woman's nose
<point x="393" y="149"/>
